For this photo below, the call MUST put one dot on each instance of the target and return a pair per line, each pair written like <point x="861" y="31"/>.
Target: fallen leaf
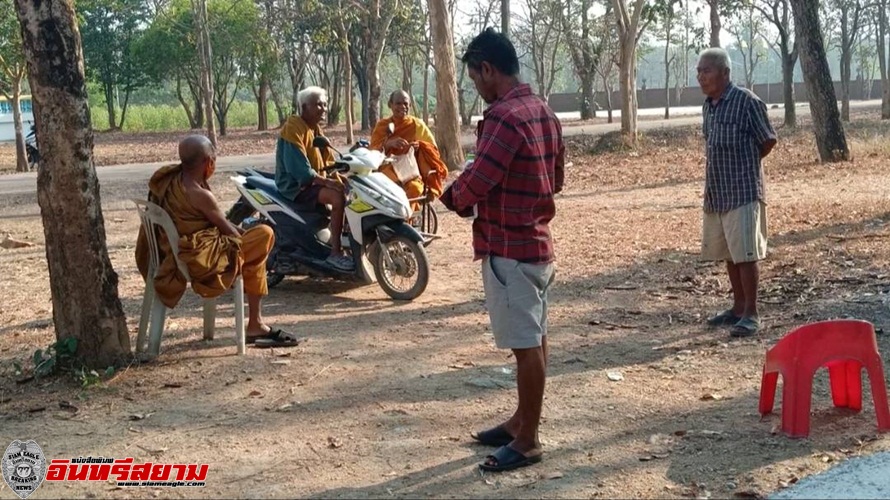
<point x="614" y="376"/>
<point x="153" y="451"/>
<point x="281" y="362"/>
<point x="140" y="416"/>
<point x="65" y="405"/>
<point x="8" y="242"/>
<point x="711" y="397"/>
<point x="554" y="475"/>
<point x="172" y="385"/>
<point x="334" y="442"/>
<point x="36" y="409"/>
<point x="255" y="393"/>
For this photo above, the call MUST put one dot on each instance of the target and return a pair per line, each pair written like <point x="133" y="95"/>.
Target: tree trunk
<point x="280" y="110"/>
<point x="715" y="22"/>
<point x="505" y="17"/>
<point x="829" y="130"/>
<point x="109" y="106"/>
<point x="373" y="87"/>
<point x="607" y="89"/>
<point x="627" y="79"/>
<point x="881" y="39"/>
<point x="788" y="61"/>
<point x="588" y="104"/>
<point x="347" y="96"/>
<point x="21" y="153"/>
<point x="364" y="92"/>
<point x="262" y="104"/>
<point x="426" y="93"/>
<point x="667" y="70"/>
<point x="845" y="85"/>
<point x="447" y="124"/>
<point x="83" y="283"/>
<point x="200" y="6"/>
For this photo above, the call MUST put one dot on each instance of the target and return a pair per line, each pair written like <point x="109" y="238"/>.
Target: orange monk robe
<point x="432" y="169"/>
<point x="213" y="260"/>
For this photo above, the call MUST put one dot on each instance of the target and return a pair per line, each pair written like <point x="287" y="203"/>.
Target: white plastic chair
<point x="153" y="310"/>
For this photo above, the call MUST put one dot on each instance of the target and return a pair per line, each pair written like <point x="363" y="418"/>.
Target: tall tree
<point x="83" y="283"/>
<point x="830" y="138"/>
<point x="12" y="75"/>
<point x="667" y="11"/>
<point x="747" y="29"/>
<point x="542" y="36"/>
<point x="881" y="39"/>
<point x="202" y="35"/>
<point x="849" y="20"/>
<point x="714" y="17"/>
<point x="778" y="12"/>
<point x="585" y="50"/>
<point x="377" y="16"/>
<point x="111" y="29"/>
<point x="447" y="124"/>
<point x="631" y="24"/>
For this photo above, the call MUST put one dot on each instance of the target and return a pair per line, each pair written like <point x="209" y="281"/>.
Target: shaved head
<point x="194" y="151"/>
<point x="397" y="94"/>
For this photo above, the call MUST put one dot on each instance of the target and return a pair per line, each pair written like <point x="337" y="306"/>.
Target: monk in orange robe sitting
<point x="213" y="249"/>
<point x="410" y="132"/>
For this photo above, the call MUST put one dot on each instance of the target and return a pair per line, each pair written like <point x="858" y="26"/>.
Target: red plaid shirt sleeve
<point x="495" y="149"/>
<point x="518" y="168"/>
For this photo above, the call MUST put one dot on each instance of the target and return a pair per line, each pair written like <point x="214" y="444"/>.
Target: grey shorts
<point x="516" y="298"/>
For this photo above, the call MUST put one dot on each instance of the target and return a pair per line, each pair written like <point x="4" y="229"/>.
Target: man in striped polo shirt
<point x="510" y="185"/>
<point x="737" y="136"/>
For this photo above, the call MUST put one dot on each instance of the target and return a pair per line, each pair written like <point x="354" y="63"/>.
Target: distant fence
<point x="691" y="96"/>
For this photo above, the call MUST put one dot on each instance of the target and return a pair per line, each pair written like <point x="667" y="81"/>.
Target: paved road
<point x="24" y="183"/>
<point x="861" y="477"/>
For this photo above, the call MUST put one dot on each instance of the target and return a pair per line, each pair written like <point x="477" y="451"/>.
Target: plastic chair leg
<point x="875" y="368"/>
<point x="239" y="315"/>
<point x="156" y="328"/>
<point x="797" y="393"/>
<point x="846" y="384"/>
<point x="147" y="300"/>
<point x="768" y="383"/>
<point x="209" y="318"/>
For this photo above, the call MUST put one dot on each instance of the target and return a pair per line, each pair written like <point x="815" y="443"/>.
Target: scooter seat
<point x="266" y="183"/>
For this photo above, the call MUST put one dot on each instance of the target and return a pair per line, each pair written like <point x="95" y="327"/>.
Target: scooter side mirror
<point x="321" y="142"/>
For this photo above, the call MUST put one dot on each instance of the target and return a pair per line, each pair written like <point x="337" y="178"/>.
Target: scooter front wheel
<point x="402" y="268"/>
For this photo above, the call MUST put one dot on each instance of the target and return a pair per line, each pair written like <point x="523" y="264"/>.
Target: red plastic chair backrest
<point x="819" y="343"/>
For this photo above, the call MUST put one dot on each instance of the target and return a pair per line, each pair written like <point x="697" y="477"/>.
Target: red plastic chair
<point x="844" y="346"/>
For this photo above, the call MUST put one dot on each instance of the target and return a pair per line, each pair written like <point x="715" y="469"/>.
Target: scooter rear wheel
<point x="406" y="273"/>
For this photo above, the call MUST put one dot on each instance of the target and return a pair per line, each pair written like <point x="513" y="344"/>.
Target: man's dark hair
<point x="494" y="48"/>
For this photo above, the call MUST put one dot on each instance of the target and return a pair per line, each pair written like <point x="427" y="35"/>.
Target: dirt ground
<point x="381" y="399"/>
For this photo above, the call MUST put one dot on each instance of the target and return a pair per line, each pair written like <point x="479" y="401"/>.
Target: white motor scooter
<point x="376" y="231"/>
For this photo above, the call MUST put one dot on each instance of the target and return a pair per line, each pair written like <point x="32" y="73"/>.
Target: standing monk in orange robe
<point x="410" y="131"/>
<point x="213" y="249"/>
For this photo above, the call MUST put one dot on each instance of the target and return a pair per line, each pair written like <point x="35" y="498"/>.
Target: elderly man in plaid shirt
<point x="511" y="184"/>
<point x="737" y="136"/>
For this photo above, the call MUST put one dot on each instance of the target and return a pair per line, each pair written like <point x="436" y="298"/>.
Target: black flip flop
<point x="496" y="436"/>
<point x="745" y="327"/>
<point x="726" y="318"/>
<point x="506" y="458"/>
<point x="277" y="338"/>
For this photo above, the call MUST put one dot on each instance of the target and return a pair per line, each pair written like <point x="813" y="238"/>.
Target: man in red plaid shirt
<point x="510" y="186"/>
